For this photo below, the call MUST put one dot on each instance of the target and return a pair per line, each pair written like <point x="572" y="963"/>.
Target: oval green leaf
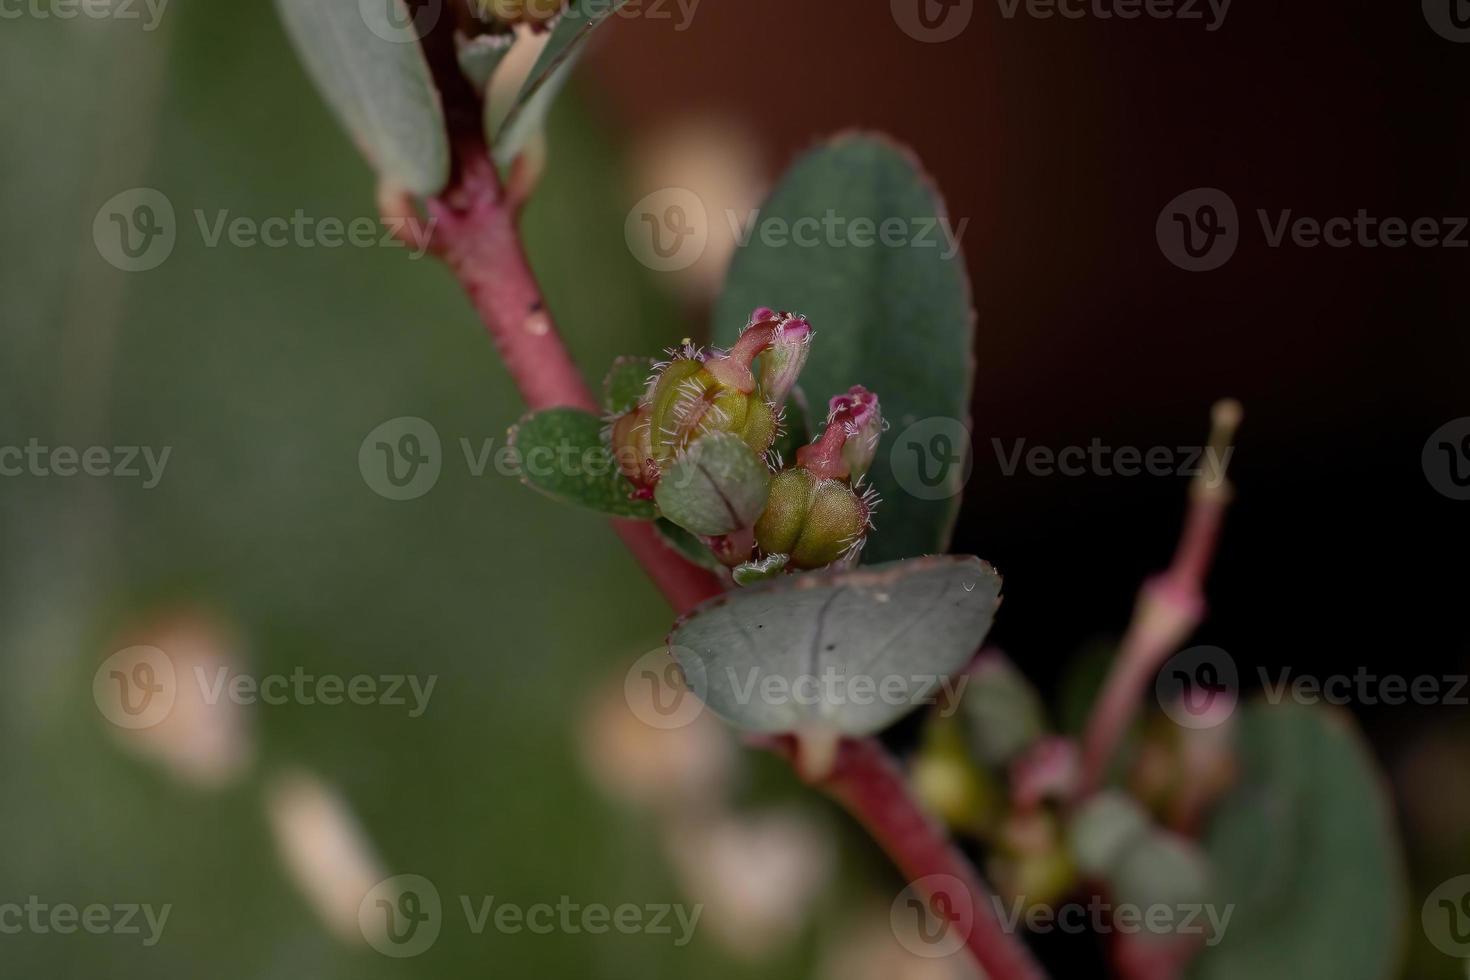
<point x="1305" y="853"/>
<point x="897" y="318"/>
<point x="561" y="454"/>
<point x="849" y="651"/>
<point x="625" y="383"/>
<point x="375" y="78"/>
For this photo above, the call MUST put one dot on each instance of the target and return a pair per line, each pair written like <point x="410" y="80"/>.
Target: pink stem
<point x="474" y="232"/>
<point x="868" y="782"/>
<point x="1170" y="607"/>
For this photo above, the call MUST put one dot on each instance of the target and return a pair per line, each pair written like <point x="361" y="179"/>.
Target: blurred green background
<point x="264" y="369"/>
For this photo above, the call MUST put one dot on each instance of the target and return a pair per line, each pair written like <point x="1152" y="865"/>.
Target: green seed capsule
<point x="814" y="521"/>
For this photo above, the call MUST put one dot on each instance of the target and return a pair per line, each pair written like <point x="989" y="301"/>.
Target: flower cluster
<point x="688" y="443"/>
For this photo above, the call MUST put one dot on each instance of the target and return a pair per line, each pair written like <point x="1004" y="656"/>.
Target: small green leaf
<point x="1304" y="847"/>
<point x="716" y="486"/>
<point x="371" y="71"/>
<point x="896" y="318"/>
<point x="751" y="572"/>
<point x="1103" y="829"/>
<point x="687" y="545"/>
<point x="527" y="112"/>
<point x="849" y="651"/>
<point x="625" y="383"/>
<point x="562" y="454"/>
<point x="1002" y="711"/>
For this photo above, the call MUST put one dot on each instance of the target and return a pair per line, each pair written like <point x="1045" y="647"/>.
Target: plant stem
<point x="869" y="783"/>
<point x="1170" y="607"/>
<point x="473" y="230"/>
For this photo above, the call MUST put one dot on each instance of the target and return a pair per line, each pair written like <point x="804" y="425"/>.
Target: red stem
<point x="474" y="232"/>
<point x="867" y="781"/>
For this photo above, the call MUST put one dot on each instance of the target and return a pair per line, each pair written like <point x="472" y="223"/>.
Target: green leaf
<point x="897" y="319"/>
<point x="1305" y="849"/>
<point x="716" y="486"/>
<point x="1003" y="713"/>
<point x="687" y="545"/>
<point x="371" y="71"/>
<point x="853" y="650"/>
<point x="527" y="112"/>
<point x="625" y="383"/>
<point x="562" y="454"/>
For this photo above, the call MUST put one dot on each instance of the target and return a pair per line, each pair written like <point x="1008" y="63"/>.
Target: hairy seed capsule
<point x="815" y="521"/>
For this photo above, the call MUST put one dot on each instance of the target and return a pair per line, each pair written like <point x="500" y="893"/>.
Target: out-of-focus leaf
<point x="896" y="318"/>
<point x="372" y="72"/>
<point x="480" y="56"/>
<point x="832" y="640"/>
<point x="527" y="113"/>
<point x="1002" y="711"/>
<point x="1305" y="850"/>
<point x="562" y="454"/>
